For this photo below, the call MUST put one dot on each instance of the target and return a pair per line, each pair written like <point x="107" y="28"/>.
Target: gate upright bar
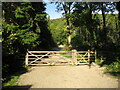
<point x="26" y="59"/>
<point x="74" y="57"/>
<point x="89" y="57"/>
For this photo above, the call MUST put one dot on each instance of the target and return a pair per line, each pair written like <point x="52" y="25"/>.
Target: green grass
<point x="62" y="53"/>
<point x="65" y="54"/>
<point x="12" y="82"/>
<point x="65" y="49"/>
<point x="112" y="69"/>
<point x="68" y="56"/>
<point x="115" y="74"/>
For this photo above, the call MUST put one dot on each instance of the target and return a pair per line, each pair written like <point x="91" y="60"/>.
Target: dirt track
<point x="67" y="77"/>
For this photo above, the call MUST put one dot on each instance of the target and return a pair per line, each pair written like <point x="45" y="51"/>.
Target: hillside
<point x="57" y="28"/>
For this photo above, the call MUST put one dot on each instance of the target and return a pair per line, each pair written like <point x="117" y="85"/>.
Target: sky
<point x="51" y="10"/>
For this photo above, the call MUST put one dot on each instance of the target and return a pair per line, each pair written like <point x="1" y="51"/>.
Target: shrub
<point x="113" y="67"/>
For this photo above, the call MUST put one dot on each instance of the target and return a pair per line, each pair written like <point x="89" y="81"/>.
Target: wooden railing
<point x="70" y="57"/>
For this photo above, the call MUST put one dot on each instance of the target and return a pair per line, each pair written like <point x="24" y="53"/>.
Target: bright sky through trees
<point x="51" y="11"/>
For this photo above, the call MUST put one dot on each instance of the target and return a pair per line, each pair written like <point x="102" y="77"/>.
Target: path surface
<point x="67" y="77"/>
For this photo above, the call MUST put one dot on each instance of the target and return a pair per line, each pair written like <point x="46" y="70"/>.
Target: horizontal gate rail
<point x="50" y="51"/>
<point x="49" y="55"/>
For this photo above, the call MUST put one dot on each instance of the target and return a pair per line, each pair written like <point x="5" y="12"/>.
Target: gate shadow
<point x="83" y="64"/>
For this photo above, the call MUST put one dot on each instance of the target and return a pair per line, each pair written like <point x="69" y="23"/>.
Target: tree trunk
<point x="104" y="39"/>
<point x="69" y="41"/>
<point x="103" y="16"/>
<point x="118" y="8"/>
<point x="91" y="28"/>
<point x="67" y="20"/>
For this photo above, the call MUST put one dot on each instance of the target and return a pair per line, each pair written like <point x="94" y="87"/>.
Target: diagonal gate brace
<point x="38" y="57"/>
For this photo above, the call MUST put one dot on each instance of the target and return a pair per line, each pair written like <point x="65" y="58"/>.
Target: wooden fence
<point x="53" y="57"/>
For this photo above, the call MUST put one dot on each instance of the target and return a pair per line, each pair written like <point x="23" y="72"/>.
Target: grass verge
<point x="12" y="80"/>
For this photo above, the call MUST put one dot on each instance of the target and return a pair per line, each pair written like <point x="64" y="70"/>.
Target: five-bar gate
<point x="60" y="57"/>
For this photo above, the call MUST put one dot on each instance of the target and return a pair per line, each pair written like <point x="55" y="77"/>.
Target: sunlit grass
<point x="68" y="56"/>
<point x="12" y="82"/>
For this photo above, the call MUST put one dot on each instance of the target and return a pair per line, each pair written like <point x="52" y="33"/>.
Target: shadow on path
<point x="23" y="87"/>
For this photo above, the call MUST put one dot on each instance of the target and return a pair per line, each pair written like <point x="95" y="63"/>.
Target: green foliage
<point x="81" y="34"/>
<point x="12" y="79"/>
<point x="57" y="28"/>
<point x="29" y="38"/>
<point x="113" y="67"/>
<point x="79" y="43"/>
<point x="12" y="82"/>
<point x="40" y="17"/>
<point x="99" y="61"/>
<point x="24" y="26"/>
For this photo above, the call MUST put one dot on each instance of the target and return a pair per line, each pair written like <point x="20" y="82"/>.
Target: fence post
<point x="89" y="57"/>
<point x="74" y="57"/>
<point x="95" y="56"/>
<point x="26" y="59"/>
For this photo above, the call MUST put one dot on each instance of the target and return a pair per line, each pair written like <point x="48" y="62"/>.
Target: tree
<point x="83" y="18"/>
<point x="105" y="8"/>
<point x="85" y="14"/>
<point x="24" y="27"/>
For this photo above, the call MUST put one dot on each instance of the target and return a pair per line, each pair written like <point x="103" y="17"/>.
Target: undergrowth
<point x="112" y="69"/>
<point x="12" y="80"/>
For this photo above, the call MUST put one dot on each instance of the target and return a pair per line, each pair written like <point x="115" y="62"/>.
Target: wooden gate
<point x="59" y="57"/>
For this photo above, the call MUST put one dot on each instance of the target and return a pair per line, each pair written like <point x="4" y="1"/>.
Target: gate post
<point x="95" y="56"/>
<point x="89" y="57"/>
<point x="26" y="59"/>
<point x="74" y="57"/>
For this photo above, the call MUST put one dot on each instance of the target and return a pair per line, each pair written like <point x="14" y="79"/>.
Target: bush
<point x="113" y="67"/>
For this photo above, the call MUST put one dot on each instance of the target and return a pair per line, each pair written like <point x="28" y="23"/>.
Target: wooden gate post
<point x="95" y="56"/>
<point x="89" y="57"/>
<point x="26" y="59"/>
<point x="74" y="57"/>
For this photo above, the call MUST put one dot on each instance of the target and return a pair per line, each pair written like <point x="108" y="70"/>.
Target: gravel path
<point x="67" y="77"/>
